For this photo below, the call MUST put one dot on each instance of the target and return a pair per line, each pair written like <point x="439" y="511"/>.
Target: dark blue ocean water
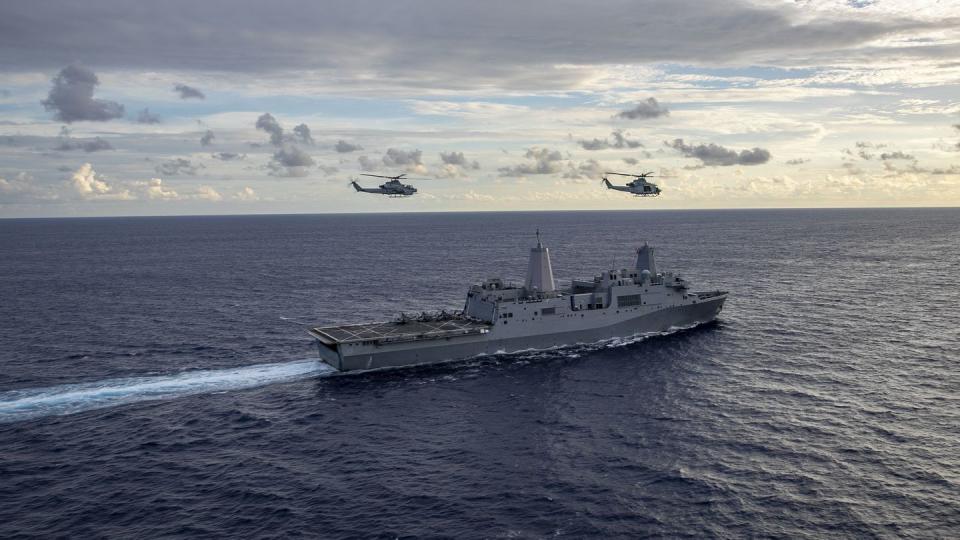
<point x="156" y="381"/>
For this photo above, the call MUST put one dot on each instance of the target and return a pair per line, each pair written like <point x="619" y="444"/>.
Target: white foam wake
<point x="30" y="403"/>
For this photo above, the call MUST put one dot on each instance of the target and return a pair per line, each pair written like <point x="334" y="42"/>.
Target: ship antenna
<point x="538" y="238"/>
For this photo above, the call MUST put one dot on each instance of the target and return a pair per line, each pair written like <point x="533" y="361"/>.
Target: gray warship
<point x="501" y="318"/>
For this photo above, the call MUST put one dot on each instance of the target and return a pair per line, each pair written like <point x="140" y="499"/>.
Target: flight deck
<point x="394" y="331"/>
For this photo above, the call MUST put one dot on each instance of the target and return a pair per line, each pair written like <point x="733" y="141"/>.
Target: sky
<point x="111" y="107"/>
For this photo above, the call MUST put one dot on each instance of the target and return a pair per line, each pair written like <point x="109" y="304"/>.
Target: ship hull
<point x="393" y="355"/>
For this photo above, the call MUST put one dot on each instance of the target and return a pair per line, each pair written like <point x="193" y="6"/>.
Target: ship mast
<point x="539" y="271"/>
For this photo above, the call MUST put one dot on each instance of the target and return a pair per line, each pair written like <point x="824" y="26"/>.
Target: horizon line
<point x="408" y="212"/>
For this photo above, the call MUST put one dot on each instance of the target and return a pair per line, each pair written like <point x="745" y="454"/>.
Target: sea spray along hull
<point x="367" y="356"/>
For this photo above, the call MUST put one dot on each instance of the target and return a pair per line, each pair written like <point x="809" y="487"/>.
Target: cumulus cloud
<point x="87" y="184"/>
<point x="545" y="161"/>
<point x="649" y="108"/>
<point x="797" y="161"/>
<point x="246" y="194"/>
<point x="154" y="189"/>
<point x="177" y="166"/>
<point x="268" y="123"/>
<point x="456" y="165"/>
<point x="594" y="144"/>
<point x="301" y="133"/>
<point x="396" y="157"/>
<point x="22" y="188"/>
<point x="458" y="159"/>
<point x="367" y="164"/>
<point x="344" y="147"/>
<point x="715" y="155"/>
<point x="896" y="154"/>
<point x="915" y="168"/>
<point x="863" y="150"/>
<point x="228" y="156"/>
<point x="67" y="143"/>
<point x="584" y="171"/>
<point x="146" y="117"/>
<point x="206" y="193"/>
<point x="293" y="157"/>
<point x="207" y="138"/>
<point x="71" y="98"/>
<point x="620" y="141"/>
<point x="290" y="161"/>
<point x="188" y="92"/>
<point x="411" y="160"/>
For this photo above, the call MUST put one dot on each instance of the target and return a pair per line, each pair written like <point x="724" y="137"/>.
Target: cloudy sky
<point x="109" y="107"/>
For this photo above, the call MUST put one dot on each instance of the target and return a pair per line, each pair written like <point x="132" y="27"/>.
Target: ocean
<point x="156" y="380"/>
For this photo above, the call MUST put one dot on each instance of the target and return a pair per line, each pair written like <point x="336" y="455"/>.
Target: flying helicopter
<point x="638" y="186"/>
<point x="392" y="188"/>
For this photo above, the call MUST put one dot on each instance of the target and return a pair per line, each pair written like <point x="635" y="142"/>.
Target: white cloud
<point x="207" y="193"/>
<point x="22" y="188"/>
<point x="246" y="194"/>
<point x="154" y="189"/>
<point x="89" y="185"/>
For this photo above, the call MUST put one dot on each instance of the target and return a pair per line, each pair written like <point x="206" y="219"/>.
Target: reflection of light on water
<point x="72" y="398"/>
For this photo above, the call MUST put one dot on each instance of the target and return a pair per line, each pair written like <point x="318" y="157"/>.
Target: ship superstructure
<point x="499" y="317"/>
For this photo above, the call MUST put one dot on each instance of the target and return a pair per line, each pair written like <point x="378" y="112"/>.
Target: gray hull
<point x="362" y="356"/>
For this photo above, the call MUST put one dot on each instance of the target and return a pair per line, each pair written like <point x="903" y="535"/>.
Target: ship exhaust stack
<point x="539" y="272"/>
<point x="645" y="260"/>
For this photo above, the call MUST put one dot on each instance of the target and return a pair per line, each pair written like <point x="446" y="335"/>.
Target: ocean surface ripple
<point x="157" y="381"/>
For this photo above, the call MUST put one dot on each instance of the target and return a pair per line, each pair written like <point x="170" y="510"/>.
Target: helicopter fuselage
<point x="398" y="190"/>
<point x="640" y="189"/>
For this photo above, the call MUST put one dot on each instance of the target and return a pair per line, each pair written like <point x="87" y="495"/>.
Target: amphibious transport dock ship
<point x="502" y="318"/>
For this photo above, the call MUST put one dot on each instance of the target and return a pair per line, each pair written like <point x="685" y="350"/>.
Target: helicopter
<point x="393" y="188"/>
<point x="638" y="186"/>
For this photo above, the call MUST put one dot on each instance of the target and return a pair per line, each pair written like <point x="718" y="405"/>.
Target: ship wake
<point x="33" y="403"/>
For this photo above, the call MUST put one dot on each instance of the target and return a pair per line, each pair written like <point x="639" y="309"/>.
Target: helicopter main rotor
<point x="641" y="175"/>
<point x="397" y="177"/>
